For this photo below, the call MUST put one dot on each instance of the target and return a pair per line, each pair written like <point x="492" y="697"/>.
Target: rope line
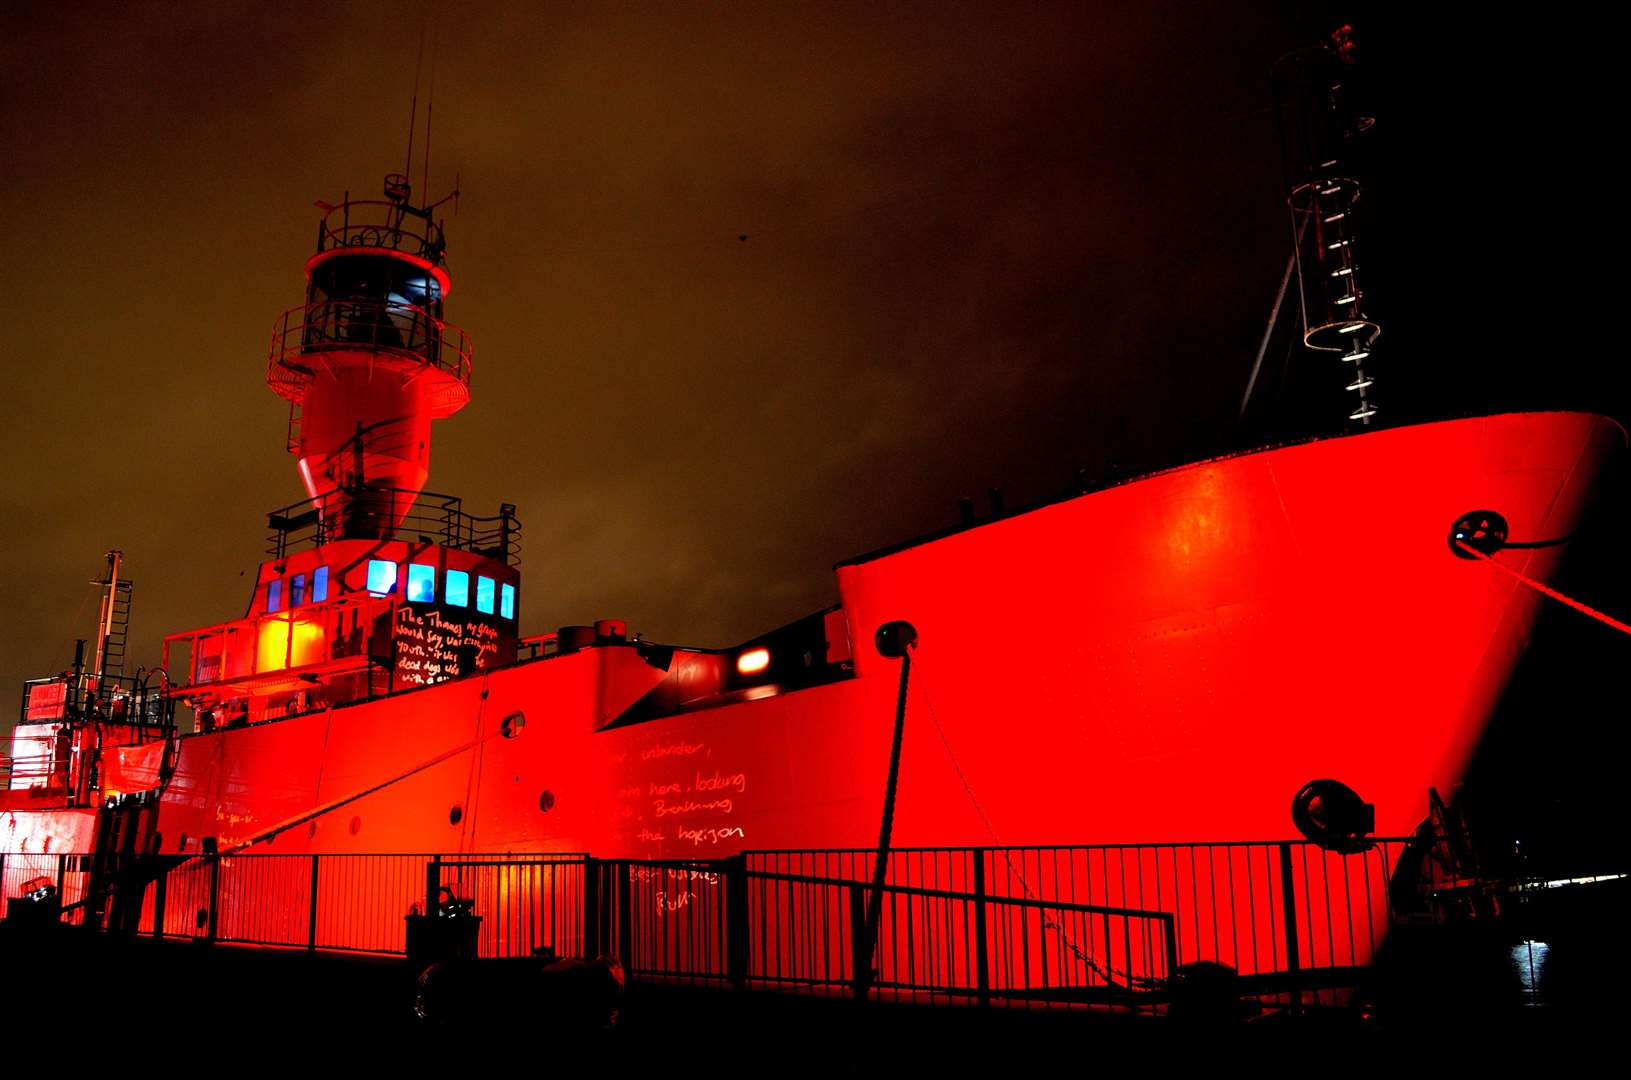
<point x="1104" y="972"/>
<point x="1584" y="609"/>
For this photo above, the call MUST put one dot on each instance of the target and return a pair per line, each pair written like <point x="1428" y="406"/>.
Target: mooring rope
<point x="1546" y="590"/>
<point x="1104" y="972"/>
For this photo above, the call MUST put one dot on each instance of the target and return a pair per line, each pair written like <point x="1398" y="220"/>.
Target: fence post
<point x="215" y="897"/>
<point x="625" y="915"/>
<point x="161" y="888"/>
<point x="433" y="885"/>
<point x="982" y="963"/>
<point x="62" y="875"/>
<point x="311" y="912"/>
<point x="592" y="900"/>
<point x="860" y="942"/>
<point x="736" y="920"/>
<point x="1288" y="902"/>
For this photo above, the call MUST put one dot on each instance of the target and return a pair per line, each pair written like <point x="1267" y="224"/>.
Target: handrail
<point x="376" y="325"/>
<point x="381" y="224"/>
<point x="425" y="515"/>
<point x="121" y="699"/>
<point x="1305" y="919"/>
<point x="949" y="894"/>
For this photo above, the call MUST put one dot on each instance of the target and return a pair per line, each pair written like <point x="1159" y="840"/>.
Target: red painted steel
<point x="1165" y="660"/>
<point x="1169" y="658"/>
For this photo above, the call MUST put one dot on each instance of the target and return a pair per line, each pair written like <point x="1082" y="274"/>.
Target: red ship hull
<point x="1163" y="661"/>
<point x="1168" y="659"/>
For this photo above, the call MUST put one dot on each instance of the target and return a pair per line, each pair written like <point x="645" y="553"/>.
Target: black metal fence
<point x="810" y="933"/>
<point x="528" y="904"/>
<point x="358" y="903"/>
<point x="1018" y="926"/>
<point x="1259" y="908"/>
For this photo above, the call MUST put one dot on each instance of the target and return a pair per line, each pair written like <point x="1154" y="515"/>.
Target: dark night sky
<point x="986" y="244"/>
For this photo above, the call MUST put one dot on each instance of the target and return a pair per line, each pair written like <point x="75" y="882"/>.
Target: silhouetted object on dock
<point x="553" y="997"/>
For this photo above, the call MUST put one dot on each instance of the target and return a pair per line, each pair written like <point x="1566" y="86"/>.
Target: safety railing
<point x="136" y="700"/>
<point x="1003" y="926"/>
<point x="376" y="223"/>
<point x="419" y="516"/>
<point x="675" y="920"/>
<point x="70" y="722"/>
<point x="302" y="334"/>
<point x="344" y="903"/>
<point x="37" y="770"/>
<point x="1283" y="915"/>
<point x="951" y="945"/>
<point x="529" y="905"/>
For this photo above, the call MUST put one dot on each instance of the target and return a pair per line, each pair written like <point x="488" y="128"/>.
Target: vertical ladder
<point x="113" y="621"/>
<point x="113" y="656"/>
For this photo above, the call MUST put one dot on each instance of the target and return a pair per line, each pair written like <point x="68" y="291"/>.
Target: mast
<point x="112" y="623"/>
<point x="104" y="622"/>
<point x="1326" y="131"/>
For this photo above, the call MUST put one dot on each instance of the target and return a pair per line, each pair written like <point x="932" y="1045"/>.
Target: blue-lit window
<point x="319" y="585"/>
<point x="381" y="577"/>
<point x="458" y="588"/>
<point x="297" y="590"/>
<point x="506" y="601"/>
<point x="421" y="584"/>
<point x="484" y="595"/>
<point x="274" y="595"/>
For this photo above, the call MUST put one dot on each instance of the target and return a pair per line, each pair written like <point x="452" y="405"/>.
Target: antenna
<point x="430" y="105"/>
<point x="413" y="110"/>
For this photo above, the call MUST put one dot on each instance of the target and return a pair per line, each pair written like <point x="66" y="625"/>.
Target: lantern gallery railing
<point x="412" y="335"/>
<point x="376" y="223"/>
<point x="423" y="516"/>
<point x="991" y="926"/>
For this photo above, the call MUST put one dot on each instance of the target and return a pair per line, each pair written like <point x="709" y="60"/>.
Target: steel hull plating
<point x="1161" y="661"/>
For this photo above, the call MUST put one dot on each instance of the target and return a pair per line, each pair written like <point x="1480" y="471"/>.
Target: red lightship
<point x="1164" y="660"/>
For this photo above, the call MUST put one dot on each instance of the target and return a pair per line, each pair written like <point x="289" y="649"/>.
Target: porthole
<point x="356" y="826"/>
<point x="546" y="801"/>
<point x="455" y="815"/>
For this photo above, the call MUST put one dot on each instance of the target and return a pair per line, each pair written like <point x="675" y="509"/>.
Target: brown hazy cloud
<point x="984" y="244"/>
